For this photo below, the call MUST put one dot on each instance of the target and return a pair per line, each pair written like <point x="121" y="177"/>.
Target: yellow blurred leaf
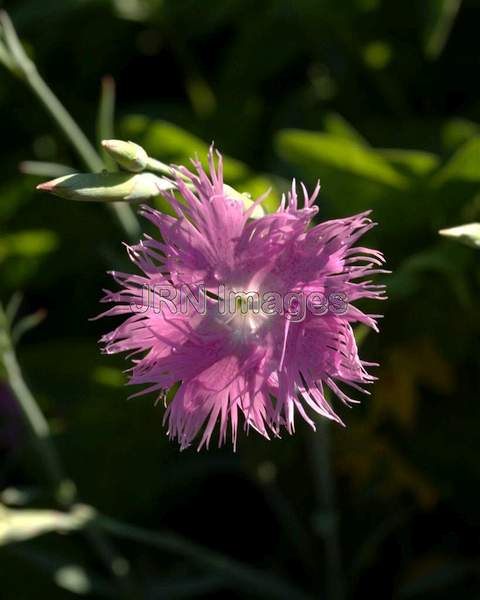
<point x="27" y="243"/>
<point x="109" y="377"/>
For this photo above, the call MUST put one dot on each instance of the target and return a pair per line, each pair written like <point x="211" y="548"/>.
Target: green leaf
<point x="442" y="14"/>
<point x="201" y="95"/>
<point x="27" y="243"/>
<point x="438" y="261"/>
<point x="336" y="125"/>
<point x="354" y="177"/>
<point x="456" y="132"/>
<point x="108" y="376"/>
<point x="414" y="163"/>
<point x="377" y="55"/>
<point x="345" y="156"/>
<point x="463" y="166"/>
<point x="172" y="144"/>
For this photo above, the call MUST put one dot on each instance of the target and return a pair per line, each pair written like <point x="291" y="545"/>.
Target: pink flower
<point x="261" y="364"/>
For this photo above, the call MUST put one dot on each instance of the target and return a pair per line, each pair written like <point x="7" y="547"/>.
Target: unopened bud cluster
<point x="142" y="179"/>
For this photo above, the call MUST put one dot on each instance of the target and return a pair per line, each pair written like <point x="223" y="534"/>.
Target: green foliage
<point x="27" y="244"/>
<point x="412" y="163"/>
<point x="174" y="145"/>
<point x="319" y="151"/>
<point x="457" y="131"/>
<point x="378" y="100"/>
<point x="441" y="16"/>
<point x="463" y="165"/>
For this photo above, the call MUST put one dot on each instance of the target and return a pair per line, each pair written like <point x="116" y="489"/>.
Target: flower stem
<point x="240" y="576"/>
<point x="24" y="68"/>
<point x="327" y="514"/>
<point x="62" y="118"/>
<point x="64" y="489"/>
<point x="156" y="166"/>
<point x="33" y="416"/>
<point x="106" y="118"/>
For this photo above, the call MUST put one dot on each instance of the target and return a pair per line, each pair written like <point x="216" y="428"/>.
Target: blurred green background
<point x="380" y="100"/>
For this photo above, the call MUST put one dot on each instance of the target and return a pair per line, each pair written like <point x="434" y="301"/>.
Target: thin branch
<point x="106" y="117"/>
<point x="64" y="489"/>
<point x="33" y="416"/>
<point x="319" y="443"/>
<point x="241" y="576"/>
<point x="26" y="70"/>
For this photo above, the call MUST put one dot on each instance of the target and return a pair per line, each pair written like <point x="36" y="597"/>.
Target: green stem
<point x="62" y="118"/>
<point x="156" y="166"/>
<point x="240" y="576"/>
<point x="327" y="513"/>
<point x="63" y="488"/>
<point x="33" y="416"/>
<point x="81" y="144"/>
<point x="26" y="70"/>
<point x="292" y="527"/>
<point x="106" y="118"/>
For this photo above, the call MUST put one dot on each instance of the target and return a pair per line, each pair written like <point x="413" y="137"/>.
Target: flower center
<point x="241" y="312"/>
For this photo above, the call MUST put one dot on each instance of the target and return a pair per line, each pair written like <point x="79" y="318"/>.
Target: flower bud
<point x="128" y="155"/>
<point x="468" y="234"/>
<point x="107" y="187"/>
<point x="258" y="211"/>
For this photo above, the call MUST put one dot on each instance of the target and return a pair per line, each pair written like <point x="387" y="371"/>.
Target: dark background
<point x="380" y="99"/>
